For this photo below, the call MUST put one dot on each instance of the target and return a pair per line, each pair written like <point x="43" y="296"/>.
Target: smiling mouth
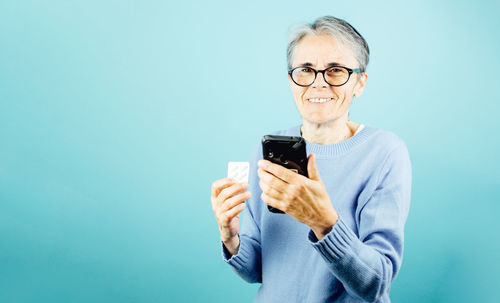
<point x="319" y="100"/>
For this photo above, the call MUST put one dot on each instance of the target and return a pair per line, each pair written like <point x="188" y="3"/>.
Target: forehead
<point x="321" y="50"/>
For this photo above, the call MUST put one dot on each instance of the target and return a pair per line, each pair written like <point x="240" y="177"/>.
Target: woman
<point x="341" y="239"/>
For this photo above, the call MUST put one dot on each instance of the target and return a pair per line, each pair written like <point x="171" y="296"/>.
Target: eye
<point x="336" y="70"/>
<point x="306" y="70"/>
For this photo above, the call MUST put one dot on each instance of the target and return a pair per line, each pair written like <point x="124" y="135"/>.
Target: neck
<point x="328" y="132"/>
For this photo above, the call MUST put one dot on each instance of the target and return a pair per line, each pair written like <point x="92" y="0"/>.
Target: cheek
<point x="344" y="93"/>
<point x="298" y="93"/>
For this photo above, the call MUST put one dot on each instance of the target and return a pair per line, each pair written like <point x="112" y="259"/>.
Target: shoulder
<point x="384" y="149"/>
<point x="386" y="141"/>
<point x="390" y="151"/>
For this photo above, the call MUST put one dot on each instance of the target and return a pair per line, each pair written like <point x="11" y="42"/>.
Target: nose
<point x="320" y="81"/>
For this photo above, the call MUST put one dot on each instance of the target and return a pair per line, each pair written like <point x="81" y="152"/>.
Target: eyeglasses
<point x="334" y="76"/>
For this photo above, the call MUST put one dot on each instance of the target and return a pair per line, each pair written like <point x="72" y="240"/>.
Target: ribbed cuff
<point x="242" y="256"/>
<point x="334" y="245"/>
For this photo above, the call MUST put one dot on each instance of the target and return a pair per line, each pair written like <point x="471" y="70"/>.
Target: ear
<point x="290" y="81"/>
<point x="360" y="85"/>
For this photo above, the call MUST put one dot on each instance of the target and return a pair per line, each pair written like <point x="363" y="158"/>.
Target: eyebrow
<point x="328" y="65"/>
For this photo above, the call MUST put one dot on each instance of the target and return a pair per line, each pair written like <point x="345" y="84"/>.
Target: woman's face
<point x="320" y="51"/>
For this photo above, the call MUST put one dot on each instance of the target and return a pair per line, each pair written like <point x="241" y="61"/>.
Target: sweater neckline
<point x="335" y="149"/>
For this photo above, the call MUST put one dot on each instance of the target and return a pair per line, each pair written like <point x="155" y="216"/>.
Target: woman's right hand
<point x="228" y="201"/>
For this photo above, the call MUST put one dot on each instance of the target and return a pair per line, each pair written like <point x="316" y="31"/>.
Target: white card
<point x="238" y="171"/>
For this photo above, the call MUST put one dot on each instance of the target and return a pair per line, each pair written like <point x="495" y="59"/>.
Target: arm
<point x="246" y="261"/>
<point x="367" y="265"/>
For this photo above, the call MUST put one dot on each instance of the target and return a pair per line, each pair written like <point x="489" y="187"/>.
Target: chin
<point x="320" y="117"/>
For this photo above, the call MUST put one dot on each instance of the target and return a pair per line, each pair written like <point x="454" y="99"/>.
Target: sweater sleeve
<point x="367" y="265"/>
<point x="247" y="262"/>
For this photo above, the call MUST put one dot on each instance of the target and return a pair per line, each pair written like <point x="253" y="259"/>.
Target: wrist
<point x="321" y="230"/>
<point x="232" y="244"/>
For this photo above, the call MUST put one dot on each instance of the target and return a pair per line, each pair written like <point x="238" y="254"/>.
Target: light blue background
<point x="116" y="117"/>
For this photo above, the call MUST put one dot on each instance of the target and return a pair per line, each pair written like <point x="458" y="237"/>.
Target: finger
<point x="230" y="191"/>
<point x="272" y="181"/>
<point x="217" y="187"/>
<point x="273" y="202"/>
<point x="270" y="191"/>
<point x="234" y="200"/>
<point x="220" y="184"/>
<point x="312" y="168"/>
<point x="230" y="214"/>
<point x="279" y="171"/>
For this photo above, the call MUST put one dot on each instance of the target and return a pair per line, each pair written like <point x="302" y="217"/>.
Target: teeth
<point x="320" y="100"/>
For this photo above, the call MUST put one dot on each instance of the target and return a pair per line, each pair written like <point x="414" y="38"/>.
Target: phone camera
<point x="270" y="154"/>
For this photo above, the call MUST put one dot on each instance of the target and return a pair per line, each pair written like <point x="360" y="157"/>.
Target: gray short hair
<point x="337" y="28"/>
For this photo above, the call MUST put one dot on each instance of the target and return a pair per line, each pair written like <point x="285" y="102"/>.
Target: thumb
<point x="312" y="169"/>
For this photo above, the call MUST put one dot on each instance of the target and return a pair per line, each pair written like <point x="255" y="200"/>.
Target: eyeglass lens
<point x="333" y="76"/>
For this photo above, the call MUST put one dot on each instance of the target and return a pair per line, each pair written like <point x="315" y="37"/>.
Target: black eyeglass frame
<point x="349" y="70"/>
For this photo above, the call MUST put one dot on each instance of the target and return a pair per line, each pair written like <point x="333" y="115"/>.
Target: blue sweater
<point x="368" y="179"/>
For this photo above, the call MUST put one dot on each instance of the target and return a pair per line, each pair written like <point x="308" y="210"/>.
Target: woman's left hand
<point x="304" y="199"/>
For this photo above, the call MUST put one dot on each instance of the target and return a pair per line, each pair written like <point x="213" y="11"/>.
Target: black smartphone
<point x="287" y="151"/>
